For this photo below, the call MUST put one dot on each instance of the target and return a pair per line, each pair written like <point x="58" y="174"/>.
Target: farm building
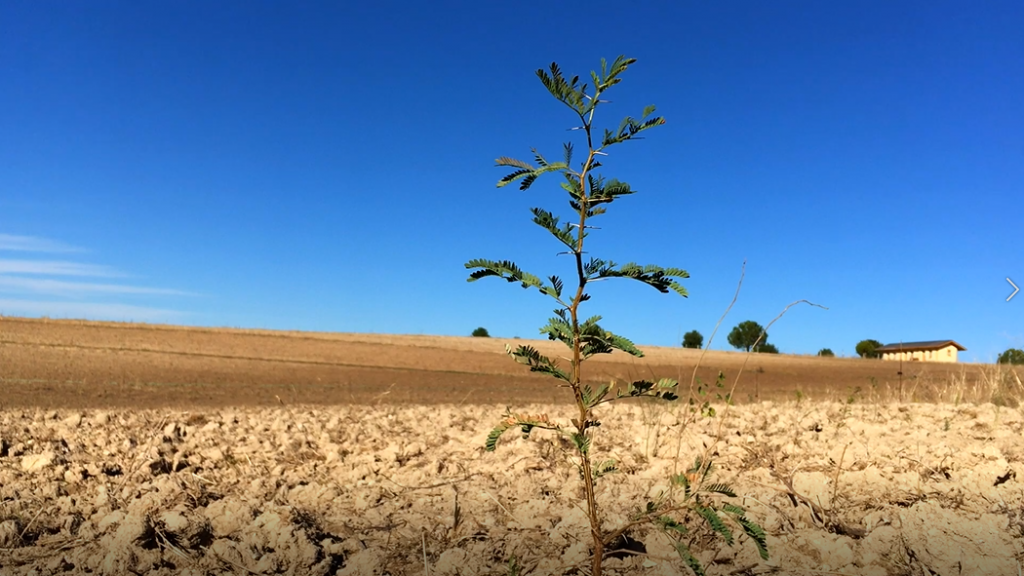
<point x="930" y="351"/>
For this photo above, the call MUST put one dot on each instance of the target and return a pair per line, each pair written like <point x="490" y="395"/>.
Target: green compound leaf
<point x="601" y="193"/>
<point x="655" y="276"/>
<point x="688" y="558"/>
<point x="565" y="92"/>
<point x="605" y="468"/>
<point x="711" y="516"/>
<point x="663" y="389"/>
<point x="667" y="389"/>
<point x="581" y="441"/>
<point x="596" y="340"/>
<point x="756" y="533"/>
<point x="558" y="328"/>
<point x="628" y="129"/>
<point x="723" y="489"/>
<point x="513" y="163"/>
<point x="684" y="481"/>
<point x="537" y="362"/>
<point x="504" y="269"/>
<point x="538" y="158"/>
<point x="492" y="438"/>
<point x="556" y="283"/>
<point x="521" y="173"/>
<point x="670" y="524"/>
<point x="733" y="509"/>
<point x="527" y="171"/>
<point x="595" y="265"/>
<point x="549" y="222"/>
<point x="591" y="398"/>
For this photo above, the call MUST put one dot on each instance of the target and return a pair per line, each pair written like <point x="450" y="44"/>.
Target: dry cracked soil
<point x="860" y="489"/>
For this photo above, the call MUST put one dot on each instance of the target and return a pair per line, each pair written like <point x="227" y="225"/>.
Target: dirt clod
<point x="362" y="490"/>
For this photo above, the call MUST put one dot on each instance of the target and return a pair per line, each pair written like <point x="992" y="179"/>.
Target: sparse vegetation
<point x="868" y="348"/>
<point x="590" y="194"/>
<point x="693" y="339"/>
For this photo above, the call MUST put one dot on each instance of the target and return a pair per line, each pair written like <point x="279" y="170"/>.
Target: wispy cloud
<point x="63" y="288"/>
<point x="86" y="311"/>
<point x="14" y="243"/>
<point x="56" y="268"/>
<point x="51" y="286"/>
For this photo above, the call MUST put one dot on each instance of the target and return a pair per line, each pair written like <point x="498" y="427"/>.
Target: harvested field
<point x="161" y="450"/>
<point x="69" y="364"/>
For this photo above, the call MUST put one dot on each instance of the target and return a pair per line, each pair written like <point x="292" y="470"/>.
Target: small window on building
<point x="949" y="352"/>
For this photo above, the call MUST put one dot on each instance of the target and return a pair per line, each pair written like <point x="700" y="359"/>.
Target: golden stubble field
<point x="164" y="450"/>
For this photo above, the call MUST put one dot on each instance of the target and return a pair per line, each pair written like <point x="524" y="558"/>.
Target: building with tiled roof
<point x="928" y="351"/>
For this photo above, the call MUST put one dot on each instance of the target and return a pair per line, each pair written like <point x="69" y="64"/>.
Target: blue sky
<point x="330" y="166"/>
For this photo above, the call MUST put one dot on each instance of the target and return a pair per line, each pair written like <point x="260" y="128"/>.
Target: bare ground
<point x="71" y="364"/>
<point x="140" y="470"/>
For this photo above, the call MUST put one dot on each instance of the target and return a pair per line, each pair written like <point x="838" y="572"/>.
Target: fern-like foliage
<point x="502" y="269"/>
<point x="549" y="222"/>
<point x="525" y="171"/>
<point x="689" y="559"/>
<point x="606" y="193"/>
<point x="606" y="467"/>
<point x="664" y="389"/>
<point x="589" y="195"/>
<point x="592" y="398"/>
<point x="669" y="523"/>
<point x="701" y="504"/>
<point x="756" y="533"/>
<point x="655" y="276"/>
<point x="596" y="340"/>
<point x="559" y="328"/>
<point x="536" y="361"/>
<point x="710" y="515"/>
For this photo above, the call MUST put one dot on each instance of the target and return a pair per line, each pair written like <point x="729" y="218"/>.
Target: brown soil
<point x="73" y="364"/>
<point x="164" y="459"/>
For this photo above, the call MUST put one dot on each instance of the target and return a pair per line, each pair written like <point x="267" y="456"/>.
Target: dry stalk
<point x="30" y="523"/>
<point x="693" y="377"/>
<point x="502" y="506"/>
<point x="426" y="568"/>
<point x="721" y="416"/>
<point x="835" y="478"/>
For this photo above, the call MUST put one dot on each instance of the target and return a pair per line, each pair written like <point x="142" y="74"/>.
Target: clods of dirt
<point x="862" y="489"/>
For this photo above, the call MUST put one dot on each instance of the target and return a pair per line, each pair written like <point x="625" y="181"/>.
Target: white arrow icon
<point x="1015" y="290"/>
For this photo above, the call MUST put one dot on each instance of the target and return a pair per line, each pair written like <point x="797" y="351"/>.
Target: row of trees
<point x="745" y="336"/>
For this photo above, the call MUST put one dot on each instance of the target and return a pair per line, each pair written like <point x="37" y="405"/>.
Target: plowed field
<point x="72" y="364"/>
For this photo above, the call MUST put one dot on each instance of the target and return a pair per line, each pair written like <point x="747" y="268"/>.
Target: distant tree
<point x="766" y="348"/>
<point x="868" y="348"/>
<point x="826" y="352"/>
<point x="745" y="334"/>
<point x="481" y="332"/>
<point x="1012" y="356"/>
<point x="693" y="339"/>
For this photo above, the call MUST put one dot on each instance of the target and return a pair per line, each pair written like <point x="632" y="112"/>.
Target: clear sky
<point x="330" y="165"/>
